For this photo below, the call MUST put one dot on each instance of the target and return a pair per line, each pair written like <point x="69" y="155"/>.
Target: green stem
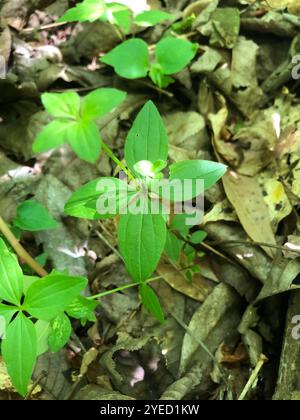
<point x="111" y="154"/>
<point x="128" y="286"/>
<point x="119" y="289"/>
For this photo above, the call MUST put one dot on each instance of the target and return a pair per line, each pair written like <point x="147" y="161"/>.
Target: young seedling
<point x="115" y="13"/>
<point x="142" y="231"/>
<point x="132" y="59"/>
<point x="74" y="121"/>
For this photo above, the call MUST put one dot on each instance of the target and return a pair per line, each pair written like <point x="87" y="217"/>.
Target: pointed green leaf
<point x="7" y="312"/>
<point x="88" y="10"/>
<point x="173" y="246"/>
<point x="60" y="332"/>
<point x="11" y="276"/>
<point x="208" y="171"/>
<point x="28" y="281"/>
<point x="83" y="202"/>
<point x="43" y="330"/>
<point x="147" y="138"/>
<point x="151" y="302"/>
<point x="198" y="237"/>
<point x="129" y="59"/>
<point x="32" y="216"/>
<point x="51" y="295"/>
<point x="180" y="224"/>
<point x="142" y="240"/>
<point x="173" y="54"/>
<point x="83" y="309"/>
<point x="19" y="351"/>
<point x="51" y="136"/>
<point x="120" y="15"/>
<point x="100" y="102"/>
<point x="101" y="198"/>
<point x="151" y="17"/>
<point x="85" y="140"/>
<point x="158" y="77"/>
<point x="62" y="105"/>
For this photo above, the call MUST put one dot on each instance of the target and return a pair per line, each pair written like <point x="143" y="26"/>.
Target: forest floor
<point x="231" y="329"/>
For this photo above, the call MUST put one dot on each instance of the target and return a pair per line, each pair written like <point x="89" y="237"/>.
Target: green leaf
<point x="83" y="202"/>
<point x="173" y="54"/>
<point x="85" y="140"/>
<point x="158" y="78"/>
<point x="173" y="246"/>
<point x="129" y="59"/>
<point x="113" y="193"/>
<point x="62" y="105"/>
<point x="7" y="312"/>
<point x="189" y="252"/>
<point x="19" y="351"/>
<point x="151" y="17"/>
<point x="198" y="237"/>
<point x="100" y="102"/>
<point x="147" y="138"/>
<point x="83" y="309"/>
<point x="28" y="281"/>
<point x="32" y="216"/>
<point x="60" y="332"/>
<point x="88" y="10"/>
<point x="11" y="276"/>
<point x="208" y="171"/>
<point x="151" y="302"/>
<point x="180" y="224"/>
<point x="120" y="15"/>
<point x="51" y="136"/>
<point x="142" y="240"/>
<point x="51" y="295"/>
<point x="43" y="330"/>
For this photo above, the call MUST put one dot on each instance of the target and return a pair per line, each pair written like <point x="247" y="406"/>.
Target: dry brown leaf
<point x="198" y="289"/>
<point x="245" y="195"/>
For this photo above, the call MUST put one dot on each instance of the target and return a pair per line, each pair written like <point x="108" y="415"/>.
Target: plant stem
<point x="44" y="27"/>
<point x="111" y="154"/>
<point x="22" y="253"/>
<point x="128" y="286"/>
<point x="119" y="289"/>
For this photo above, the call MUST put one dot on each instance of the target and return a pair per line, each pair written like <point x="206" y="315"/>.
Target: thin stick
<point x="41" y="376"/>
<point x="111" y="247"/>
<point x="154" y="87"/>
<point x="43" y="27"/>
<point x="253" y="243"/>
<point x="22" y="253"/>
<point x="262" y="360"/>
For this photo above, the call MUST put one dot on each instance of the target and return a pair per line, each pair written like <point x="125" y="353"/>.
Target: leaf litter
<point x="238" y="104"/>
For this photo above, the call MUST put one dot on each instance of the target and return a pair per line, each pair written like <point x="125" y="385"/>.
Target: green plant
<point x="34" y="311"/>
<point x="74" y="121"/>
<point x="142" y="233"/>
<point x="132" y="59"/>
<point x="115" y="13"/>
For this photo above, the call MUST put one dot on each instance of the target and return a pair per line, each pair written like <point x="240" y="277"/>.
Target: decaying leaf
<point x="198" y="289"/>
<point x="246" y="197"/>
<point x="206" y="321"/>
